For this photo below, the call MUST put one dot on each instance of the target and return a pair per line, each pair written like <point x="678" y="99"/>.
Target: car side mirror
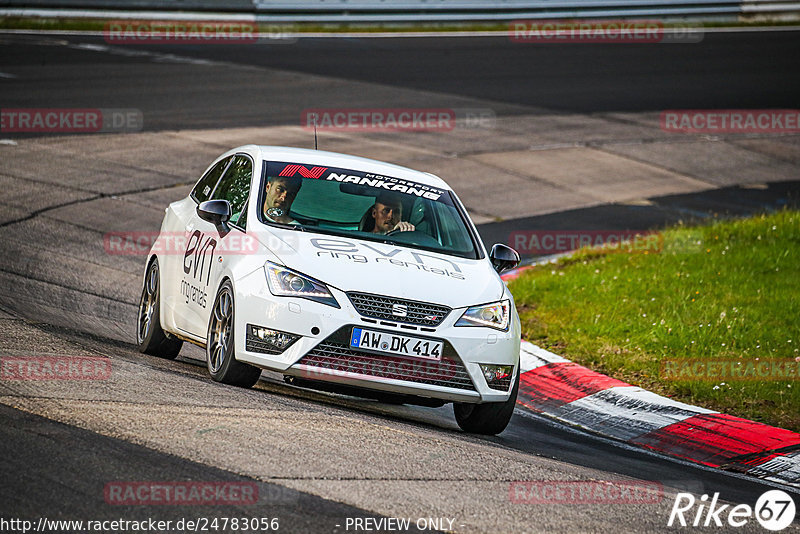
<point x="217" y="212"/>
<point x="503" y="257"/>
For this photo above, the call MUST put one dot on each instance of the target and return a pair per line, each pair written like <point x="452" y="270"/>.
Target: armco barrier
<point x="424" y="10"/>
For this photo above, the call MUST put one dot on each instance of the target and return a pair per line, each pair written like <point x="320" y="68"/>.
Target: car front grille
<point x="335" y="355"/>
<point x="386" y="308"/>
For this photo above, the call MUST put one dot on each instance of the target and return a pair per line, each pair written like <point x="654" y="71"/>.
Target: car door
<point x="208" y="246"/>
<point x="176" y="291"/>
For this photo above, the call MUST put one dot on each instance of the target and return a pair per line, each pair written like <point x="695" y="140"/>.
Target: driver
<point x="388" y="212"/>
<point x="279" y="195"/>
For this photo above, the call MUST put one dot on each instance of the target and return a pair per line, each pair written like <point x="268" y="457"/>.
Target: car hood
<point x="350" y="264"/>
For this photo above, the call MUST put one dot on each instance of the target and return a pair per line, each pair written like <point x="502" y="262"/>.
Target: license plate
<point x="396" y="344"/>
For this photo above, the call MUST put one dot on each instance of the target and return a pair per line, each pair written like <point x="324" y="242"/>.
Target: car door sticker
<point x="197" y="262"/>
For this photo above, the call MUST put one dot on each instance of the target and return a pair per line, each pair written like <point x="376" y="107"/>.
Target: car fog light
<point x="261" y="339"/>
<point x="497" y="376"/>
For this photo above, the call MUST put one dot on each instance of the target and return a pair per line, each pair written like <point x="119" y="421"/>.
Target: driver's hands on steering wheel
<point x="402" y="226"/>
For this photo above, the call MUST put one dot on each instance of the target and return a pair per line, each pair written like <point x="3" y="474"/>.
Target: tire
<point x="220" y="359"/>
<point x="488" y="419"/>
<point x="150" y="337"/>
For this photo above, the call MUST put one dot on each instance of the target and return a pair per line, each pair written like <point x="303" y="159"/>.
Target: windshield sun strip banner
<point x="367" y="179"/>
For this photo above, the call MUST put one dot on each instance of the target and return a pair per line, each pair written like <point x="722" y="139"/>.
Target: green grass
<point x="90" y="24"/>
<point x="726" y="291"/>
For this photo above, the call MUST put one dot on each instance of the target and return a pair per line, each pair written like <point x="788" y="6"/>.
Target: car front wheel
<point x="222" y="365"/>
<point x="490" y="418"/>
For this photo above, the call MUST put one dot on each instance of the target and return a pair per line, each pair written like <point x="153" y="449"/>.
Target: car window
<point x="235" y="187"/>
<point x="206" y="184"/>
<point x="345" y="202"/>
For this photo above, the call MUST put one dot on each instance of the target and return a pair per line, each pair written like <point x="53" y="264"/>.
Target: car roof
<point x="345" y="161"/>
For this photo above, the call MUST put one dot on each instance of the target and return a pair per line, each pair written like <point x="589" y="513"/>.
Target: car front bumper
<point x="321" y="351"/>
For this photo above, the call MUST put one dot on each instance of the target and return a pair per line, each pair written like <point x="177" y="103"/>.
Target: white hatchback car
<point x="342" y="273"/>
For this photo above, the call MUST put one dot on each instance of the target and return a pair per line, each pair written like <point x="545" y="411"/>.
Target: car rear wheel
<point x="150" y="337"/>
<point x="490" y="418"/>
<point x="222" y="365"/>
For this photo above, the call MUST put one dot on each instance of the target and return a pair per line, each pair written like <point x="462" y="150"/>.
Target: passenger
<point x="388" y="212"/>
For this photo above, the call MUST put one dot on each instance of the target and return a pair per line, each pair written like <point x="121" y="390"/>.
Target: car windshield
<point x="364" y="205"/>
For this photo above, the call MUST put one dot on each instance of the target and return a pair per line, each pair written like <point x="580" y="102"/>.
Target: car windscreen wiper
<point x="297" y="227"/>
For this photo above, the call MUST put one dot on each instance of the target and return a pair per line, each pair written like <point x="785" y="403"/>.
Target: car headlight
<point x="495" y="315"/>
<point x="285" y="282"/>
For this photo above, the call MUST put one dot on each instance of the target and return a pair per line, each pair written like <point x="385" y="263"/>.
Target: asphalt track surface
<point x="318" y="458"/>
<point x="723" y="71"/>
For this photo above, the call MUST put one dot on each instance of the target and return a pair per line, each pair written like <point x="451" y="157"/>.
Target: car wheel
<point x="150" y="337"/>
<point x="222" y="365"/>
<point x="490" y="418"/>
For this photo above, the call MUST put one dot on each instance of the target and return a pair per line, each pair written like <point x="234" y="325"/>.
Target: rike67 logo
<point x="774" y="510"/>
